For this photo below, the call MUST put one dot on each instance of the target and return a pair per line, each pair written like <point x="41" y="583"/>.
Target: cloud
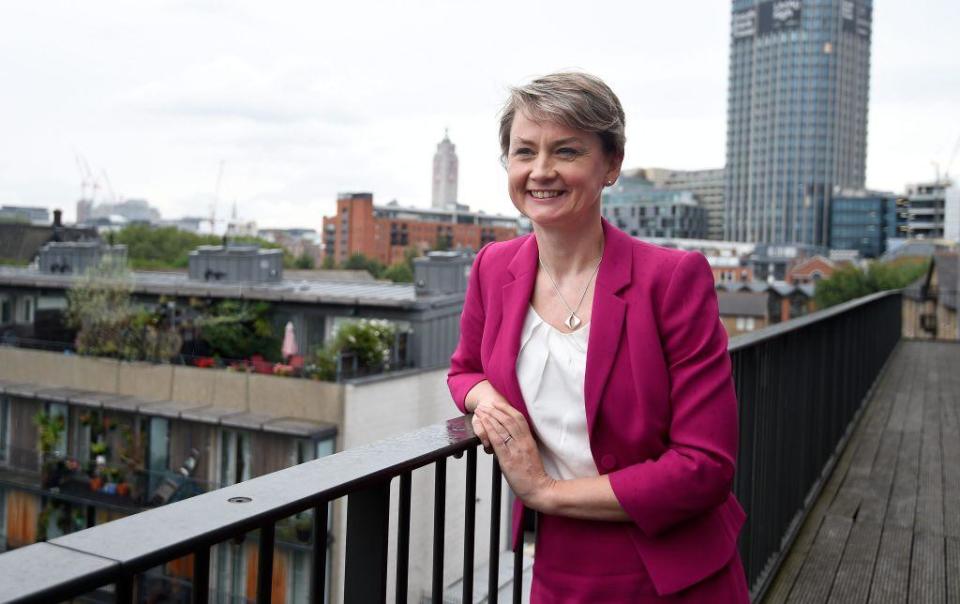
<point x="232" y="88"/>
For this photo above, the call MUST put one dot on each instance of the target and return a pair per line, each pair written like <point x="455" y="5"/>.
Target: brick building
<point x="385" y="232"/>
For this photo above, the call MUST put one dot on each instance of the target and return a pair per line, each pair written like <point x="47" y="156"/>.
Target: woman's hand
<point x="483" y="392"/>
<point x="509" y="435"/>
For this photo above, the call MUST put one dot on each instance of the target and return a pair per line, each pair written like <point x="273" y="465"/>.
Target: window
<point x="298" y="578"/>
<point x="3" y="520"/>
<point x="27" y="310"/>
<point x="4" y="310"/>
<point x="4" y="438"/>
<point x="234" y="457"/>
<point x="158" y="454"/>
<point x="231" y="579"/>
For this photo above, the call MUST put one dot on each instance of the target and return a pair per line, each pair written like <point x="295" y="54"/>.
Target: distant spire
<point x="445" y="167"/>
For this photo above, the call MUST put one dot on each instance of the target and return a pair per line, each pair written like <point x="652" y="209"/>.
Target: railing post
<point x="318" y="574"/>
<point x="265" y="564"/>
<point x="368" y="519"/>
<point x="201" y="575"/>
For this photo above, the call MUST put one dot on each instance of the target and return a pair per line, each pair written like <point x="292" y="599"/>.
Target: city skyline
<point x="295" y="123"/>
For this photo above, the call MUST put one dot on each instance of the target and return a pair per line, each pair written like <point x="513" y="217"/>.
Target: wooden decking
<point x="886" y="527"/>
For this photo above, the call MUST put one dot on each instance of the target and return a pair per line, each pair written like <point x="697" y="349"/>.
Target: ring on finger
<point x="508" y="438"/>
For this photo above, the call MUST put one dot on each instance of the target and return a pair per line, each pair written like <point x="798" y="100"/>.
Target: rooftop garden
<point x="230" y="334"/>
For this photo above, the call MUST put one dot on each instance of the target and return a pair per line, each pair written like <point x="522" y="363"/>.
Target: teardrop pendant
<point x="572" y="322"/>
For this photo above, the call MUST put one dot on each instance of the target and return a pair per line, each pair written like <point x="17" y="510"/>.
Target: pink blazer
<point x="660" y="403"/>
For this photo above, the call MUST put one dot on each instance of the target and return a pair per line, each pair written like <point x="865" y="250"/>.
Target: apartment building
<point x="385" y="233"/>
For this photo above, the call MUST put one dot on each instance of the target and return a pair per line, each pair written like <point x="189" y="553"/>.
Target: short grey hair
<point x="576" y="100"/>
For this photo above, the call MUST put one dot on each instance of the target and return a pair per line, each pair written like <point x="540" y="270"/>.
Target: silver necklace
<point x="573" y="321"/>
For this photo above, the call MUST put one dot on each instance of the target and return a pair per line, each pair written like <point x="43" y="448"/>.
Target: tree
<point x="359" y="262"/>
<point x="398" y="273"/>
<point x="99" y="307"/>
<point x="155" y="248"/>
<point x="850" y="282"/>
<point x="304" y="261"/>
<point x="238" y="330"/>
<point x="846" y="283"/>
<point x="328" y="262"/>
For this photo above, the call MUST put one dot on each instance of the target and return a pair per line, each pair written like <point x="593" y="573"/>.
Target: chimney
<point x="57" y="218"/>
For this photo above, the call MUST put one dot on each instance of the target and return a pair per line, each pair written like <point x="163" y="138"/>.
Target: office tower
<point x="796" y="115"/>
<point x="706" y="185"/>
<point x="927" y="210"/>
<point x="865" y="220"/>
<point x="445" y="175"/>
<point x="640" y="208"/>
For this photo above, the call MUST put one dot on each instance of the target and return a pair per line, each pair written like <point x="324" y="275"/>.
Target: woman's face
<point x="555" y="173"/>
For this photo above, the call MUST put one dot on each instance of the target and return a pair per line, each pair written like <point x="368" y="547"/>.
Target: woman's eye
<point x="523" y="151"/>
<point x="567" y="152"/>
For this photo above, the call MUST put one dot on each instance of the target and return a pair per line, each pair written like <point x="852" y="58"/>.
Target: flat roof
<point x="303" y="290"/>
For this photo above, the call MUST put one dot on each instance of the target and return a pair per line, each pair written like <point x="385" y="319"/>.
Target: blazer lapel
<point x="607" y="318"/>
<point x="516" y="300"/>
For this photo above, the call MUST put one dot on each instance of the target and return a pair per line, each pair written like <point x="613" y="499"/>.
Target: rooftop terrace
<point x="849" y="470"/>
<point x="886" y="527"/>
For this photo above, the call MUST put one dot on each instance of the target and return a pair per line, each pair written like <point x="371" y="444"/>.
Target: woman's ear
<point x="616" y="161"/>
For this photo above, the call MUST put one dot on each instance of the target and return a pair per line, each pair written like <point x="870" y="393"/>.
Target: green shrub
<point x="370" y="340"/>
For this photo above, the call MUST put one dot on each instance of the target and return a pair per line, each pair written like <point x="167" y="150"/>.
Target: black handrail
<point x="800" y="385"/>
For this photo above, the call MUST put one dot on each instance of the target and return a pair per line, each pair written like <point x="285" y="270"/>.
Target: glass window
<point x="231" y="572"/>
<point x="28" y="310"/>
<point x="234" y="457"/>
<point x="4" y="437"/>
<point x="3" y="520"/>
<point x="158" y="456"/>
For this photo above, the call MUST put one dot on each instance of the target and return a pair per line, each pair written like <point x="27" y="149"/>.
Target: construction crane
<point x="953" y="156"/>
<point x="113" y="195"/>
<point x="216" y="198"/>
<point x="88" y="182"/>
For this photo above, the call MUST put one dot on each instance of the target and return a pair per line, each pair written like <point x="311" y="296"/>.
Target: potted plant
<point x="99" y="449"/>
<point x="49" y="429"/>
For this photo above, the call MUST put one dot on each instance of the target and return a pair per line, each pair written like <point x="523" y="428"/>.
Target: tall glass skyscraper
<point x="796" y="115"/>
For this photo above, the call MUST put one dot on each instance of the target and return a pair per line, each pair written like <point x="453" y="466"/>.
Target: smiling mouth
<point x="545" y="194"/>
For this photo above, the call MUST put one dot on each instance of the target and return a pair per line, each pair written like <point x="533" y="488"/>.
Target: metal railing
<point x="801" y="385"/>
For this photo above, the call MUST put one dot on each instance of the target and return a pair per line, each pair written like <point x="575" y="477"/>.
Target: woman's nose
<point x="543" y="168"/>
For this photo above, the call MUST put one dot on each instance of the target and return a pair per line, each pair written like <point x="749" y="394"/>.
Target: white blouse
<point x="550" y="368"/>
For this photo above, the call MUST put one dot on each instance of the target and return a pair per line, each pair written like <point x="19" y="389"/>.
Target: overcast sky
<point x="300" y="100"/>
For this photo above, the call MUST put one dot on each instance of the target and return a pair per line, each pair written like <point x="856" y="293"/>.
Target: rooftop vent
<point x="442" y="272"/>
<point x="236" y="264"/>
<point x="76" y="257"/>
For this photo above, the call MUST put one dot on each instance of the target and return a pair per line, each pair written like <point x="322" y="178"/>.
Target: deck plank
<point x="887" y="526"/>
<point x="815" y="580"/>
<point x="851" y="585"/>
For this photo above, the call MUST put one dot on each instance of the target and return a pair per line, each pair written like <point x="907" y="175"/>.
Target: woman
<point x="597" y="371"/>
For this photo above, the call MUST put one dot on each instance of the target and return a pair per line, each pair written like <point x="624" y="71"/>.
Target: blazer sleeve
<point x="695" y="472"/>
<point x="466" y="366"/>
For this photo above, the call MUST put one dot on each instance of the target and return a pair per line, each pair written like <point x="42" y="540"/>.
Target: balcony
<point x="849" y="455"/>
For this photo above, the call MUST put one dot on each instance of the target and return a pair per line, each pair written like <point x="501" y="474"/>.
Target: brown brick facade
<point x="357" y="228"/>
